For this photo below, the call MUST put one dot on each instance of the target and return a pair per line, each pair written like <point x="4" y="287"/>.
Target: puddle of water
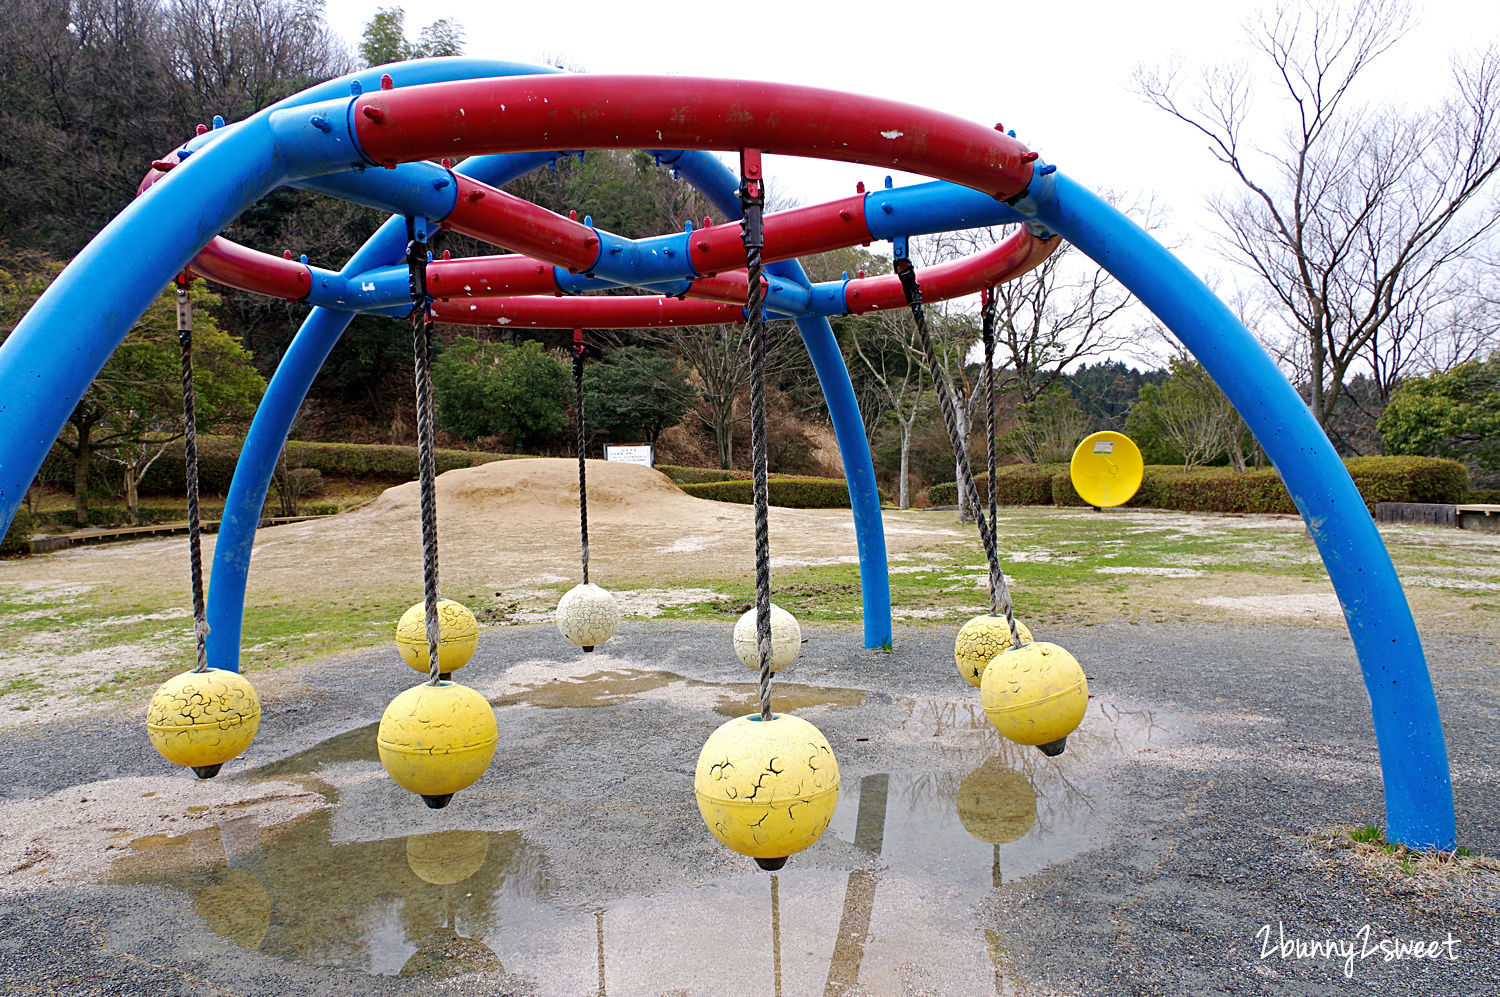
<point x="887" y="903"/>
<point x="620" y="685"/>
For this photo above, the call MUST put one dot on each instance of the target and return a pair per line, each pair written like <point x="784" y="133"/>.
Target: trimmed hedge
<point x="17" y="539"/>
<point x="790" y="492"/>
<point x="1408" y="479"/>
<point x="704" y="475"/>
<point x="217" y="456"/>
<point x="1015" y="484"/>
<point x="1222" y="489"/>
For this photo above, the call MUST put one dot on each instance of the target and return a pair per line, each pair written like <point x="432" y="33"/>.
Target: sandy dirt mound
<point x="515" y="523"/>
<point x="545" y="490"/>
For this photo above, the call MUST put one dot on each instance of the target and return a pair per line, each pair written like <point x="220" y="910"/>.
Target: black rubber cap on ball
<point x="1054" y="748"/>
<point x="589" y="648"/>
<point x="207" y="771"/>
<point x="771" y="865"/>
<point x="437" y="802"/>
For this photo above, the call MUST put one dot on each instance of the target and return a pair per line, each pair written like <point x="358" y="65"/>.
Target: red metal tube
<point x="488" y="213"/>
<point x="489" y="276"/>
<point x="234" y="265"/>
<point x="525" y="113"/>
<point x="816" y="228"/>
<point x="604" y="312"/>
<point x="1001" y="262"/>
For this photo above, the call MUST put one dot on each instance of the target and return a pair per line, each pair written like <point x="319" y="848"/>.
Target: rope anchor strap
<point x="752" y="227"/>
<point x="998" y="586"/>
<point x="190" y="458"/>
<point x="421" y="327"/>
<point x="583" y="490"/>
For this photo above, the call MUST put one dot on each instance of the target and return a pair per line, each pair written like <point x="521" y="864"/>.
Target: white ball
<point x="786" y="639"/>
<point x="587" y="615"/>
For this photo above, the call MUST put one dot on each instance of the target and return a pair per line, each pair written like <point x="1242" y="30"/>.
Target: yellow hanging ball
<point x="979" y="641"/>
<point x="458" y="636"/>
<point x="203" y="719"/>
<point x="996" y="804"/>
<point x="1035" y="694"/>
<point x="443" y="858"/>
<point x="786" y="640"/>
<point x="767" y="788"/>
<point x="436" y="739"/>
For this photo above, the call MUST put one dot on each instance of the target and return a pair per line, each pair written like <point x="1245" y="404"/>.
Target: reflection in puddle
<point x="619" y="685"/>
<point x="413" y="906"/>
<point x="888" y="903"/>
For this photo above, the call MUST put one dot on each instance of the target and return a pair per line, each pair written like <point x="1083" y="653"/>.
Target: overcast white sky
<point x="1058" y="73"/>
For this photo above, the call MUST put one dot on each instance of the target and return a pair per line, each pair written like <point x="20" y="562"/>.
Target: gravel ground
<point x="1175" y="841"/>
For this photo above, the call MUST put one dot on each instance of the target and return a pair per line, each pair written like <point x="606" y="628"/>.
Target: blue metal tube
<point x="1408" y="730"/>
<point x="937" y="206"/>
<point x="61" y="344"/>
<point x="375" y="262"/>
<point x="859" y="472"/>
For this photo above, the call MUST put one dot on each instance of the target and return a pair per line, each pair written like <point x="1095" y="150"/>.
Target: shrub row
<point x="1016" y="484"/>
<point x="1220" y="489"/>
<point x="704" y="475"/>
<point x="217" y="456"/>
<point x="102" y="516"/>
<point x="17" y="538"/>
<point x="788" y="491"/>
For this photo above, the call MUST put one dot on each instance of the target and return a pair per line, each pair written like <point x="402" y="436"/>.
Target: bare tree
<point x="718" y="356"/>
<point x="887" y="348"/>
<point x="1357" y="218"/>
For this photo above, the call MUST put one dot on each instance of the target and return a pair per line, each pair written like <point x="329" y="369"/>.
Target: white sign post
<point x="630" y="453"/>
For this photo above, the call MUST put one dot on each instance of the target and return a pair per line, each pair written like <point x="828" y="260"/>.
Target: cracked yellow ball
<point x="767" y="789"/>
<point x="458" y="636"/>
<point x="786" y="640"/>
<point x="437" y="739"/>
<point x="979" y="641"/>
<point x="587" y="615"/>
<point x="203" y="719"/>
<point x="1035" y="694"/>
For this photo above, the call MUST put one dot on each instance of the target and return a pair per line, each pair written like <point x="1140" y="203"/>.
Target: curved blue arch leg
<point x="268" y="431"/>
<point x="252" y="479"/>
<point x="720" y="186"/>
<point x="859" y="472"/>
<point x="1408" y="730"/>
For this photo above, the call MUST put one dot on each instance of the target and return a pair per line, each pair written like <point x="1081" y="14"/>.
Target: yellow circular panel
<point x="1107" y="469"/>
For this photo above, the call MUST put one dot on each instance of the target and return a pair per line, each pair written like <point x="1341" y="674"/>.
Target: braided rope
<point x="987" y="315"/>
<point x="190" y="458"/>
<point x="909" y="286"/>
<point x="421" y="330"/>
<point x="583" y="489"/>
<point x="753" y="231"/>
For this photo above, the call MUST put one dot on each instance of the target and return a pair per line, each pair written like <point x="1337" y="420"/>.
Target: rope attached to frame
<point x="752" y="228"/>
<point x="190" y="458"/>
<point x="421" y="329"/>
<point x="583" y="489"/>
<point x="988" y="301"/>
<point x="999" y="589"/>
